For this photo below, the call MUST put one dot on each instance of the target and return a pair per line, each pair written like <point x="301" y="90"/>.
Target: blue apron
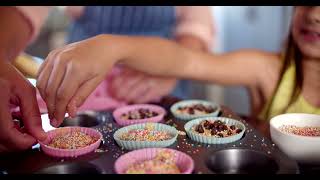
<point x="128" y="20"/>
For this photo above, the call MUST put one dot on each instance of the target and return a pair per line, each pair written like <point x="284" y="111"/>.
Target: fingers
<point x="44" y="64"/>
<point x="82" y="93"/>
<point x="55" y="79"/>
<point x="140" y="88"/>
<point x="30" y="111"/>
<point x="64" y="93"/>
<point x="125" y="84"/>
<point x="19" y="141"/>
<point x="43" y="77"/>
<point x="147" y="97"/>
<point x="10" y="138"/>
<point x="116" y="83"/>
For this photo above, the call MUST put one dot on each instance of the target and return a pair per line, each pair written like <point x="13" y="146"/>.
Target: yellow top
<point x="283" y="95"/>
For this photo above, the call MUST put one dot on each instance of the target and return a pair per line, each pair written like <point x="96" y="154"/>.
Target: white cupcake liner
<point x="175" y="107"/>
<point x="132" y="145"/>
<point x="214" y="140"/>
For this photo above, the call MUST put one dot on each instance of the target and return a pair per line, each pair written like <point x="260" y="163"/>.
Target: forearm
<point x="192" y="42"/>
<point x="14" y="35"/>
<point x="166" y="58"/>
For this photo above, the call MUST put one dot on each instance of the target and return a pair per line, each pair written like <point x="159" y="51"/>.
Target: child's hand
<point x="70" y="74"/>
<point x="137" y="87"/>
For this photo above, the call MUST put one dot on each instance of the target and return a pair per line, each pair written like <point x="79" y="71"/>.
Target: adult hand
<point x="16" y="90"/>
<point x="136" y="87"/>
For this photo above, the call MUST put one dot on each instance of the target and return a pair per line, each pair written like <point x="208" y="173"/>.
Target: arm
<point x="155" y="56"/>
<point x="15" y="34"/>
<point x="194" y="30"/>
<point x="177" y="61"/>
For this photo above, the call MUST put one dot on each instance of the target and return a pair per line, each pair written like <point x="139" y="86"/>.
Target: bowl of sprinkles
<point x="71" y="141"/>
<point x="145" y="135"/>
<point x="192" y="109"/>
<point x="138" y="113"/>
<point x="215" y="130"/>
<point x="154" y="161"/>
<point x="297" y="135"/>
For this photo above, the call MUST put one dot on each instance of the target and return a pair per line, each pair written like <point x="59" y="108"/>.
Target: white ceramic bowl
<point x="304" y="149"/>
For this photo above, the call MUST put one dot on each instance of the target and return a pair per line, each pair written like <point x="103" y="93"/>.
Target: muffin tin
<point x="71" y="168"/>
<point x="253" y="153"/>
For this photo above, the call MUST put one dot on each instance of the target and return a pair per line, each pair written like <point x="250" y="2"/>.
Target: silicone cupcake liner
<point x="184" y="162"/>
<point x="132" y="145"/>
<point x="175" y="107"/>
<point x="55" y="152"/>
<point x="213" y="140"/>
<point x="118" y="112"/>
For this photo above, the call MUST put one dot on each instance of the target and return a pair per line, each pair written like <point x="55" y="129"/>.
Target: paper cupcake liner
<point x="184" y="162"/>
<point x="175" y="107"/>
<point x="122" y="122"/>
<point x="132" y="145"/>
<point x="55" y="152"/>
<point x="213" y="140"/>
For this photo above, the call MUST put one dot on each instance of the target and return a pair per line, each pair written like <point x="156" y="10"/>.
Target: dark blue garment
<point x="128" y="20"/>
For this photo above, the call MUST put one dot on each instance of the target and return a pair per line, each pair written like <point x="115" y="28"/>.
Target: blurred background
<point x="263" y="27"/>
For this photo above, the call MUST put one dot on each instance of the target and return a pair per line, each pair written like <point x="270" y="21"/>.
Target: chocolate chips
<point x="216" y="129"/>
<point x="139" y="114"/>
<point x="200" y="129"/>
<point x="197" y="108"/>
<point x="238" y="131"/>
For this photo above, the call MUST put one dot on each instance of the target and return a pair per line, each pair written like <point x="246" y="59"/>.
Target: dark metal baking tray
<point x="251" y="154"/>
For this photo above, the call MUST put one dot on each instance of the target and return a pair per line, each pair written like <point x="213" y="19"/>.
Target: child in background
<point x="278" y="83"/>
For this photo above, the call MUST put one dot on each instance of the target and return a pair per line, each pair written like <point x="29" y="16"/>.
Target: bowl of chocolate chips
<point x="138" y="113"/>
<point x="192" y="109"/>
<point x="215" y="130"/>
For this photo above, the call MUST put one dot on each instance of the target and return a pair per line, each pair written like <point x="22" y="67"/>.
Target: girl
<point x="278" y="83"/>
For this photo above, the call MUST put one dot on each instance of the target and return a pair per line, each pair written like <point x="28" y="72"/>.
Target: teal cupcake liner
<point x="133" y="145"/>
<point x="175" y="107"/>
<point x="214" y="140"/>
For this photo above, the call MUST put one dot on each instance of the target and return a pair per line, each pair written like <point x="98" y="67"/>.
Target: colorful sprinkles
<point x="301" y="131"/>
<point x="72" y="140"/>
<point x="162" y="163"/>
<point x="145" y="135"/>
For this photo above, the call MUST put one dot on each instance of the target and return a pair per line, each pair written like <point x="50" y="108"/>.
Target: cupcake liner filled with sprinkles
<point x="138" y="113"/>
<point x="71" y="141"/>
<point x="145" y="135"/>
<point x="192" y="109"/>
<point x="154" y="161"/>
<point x="220" y="131"/>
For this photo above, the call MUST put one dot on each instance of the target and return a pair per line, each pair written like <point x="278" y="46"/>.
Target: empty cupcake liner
<point x="175" y="107"/>
<point x="184" y="162"/>
<point x="132" y="145"/>
<point x="118" y="112"/>
<point x="214" y="140"/>
<point x="55" y="152"/>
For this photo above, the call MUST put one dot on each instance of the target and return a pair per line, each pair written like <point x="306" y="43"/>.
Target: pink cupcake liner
<point x="122" y="122"/>
<point x="184" y="162"/>
<point x="55" y="152"/>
